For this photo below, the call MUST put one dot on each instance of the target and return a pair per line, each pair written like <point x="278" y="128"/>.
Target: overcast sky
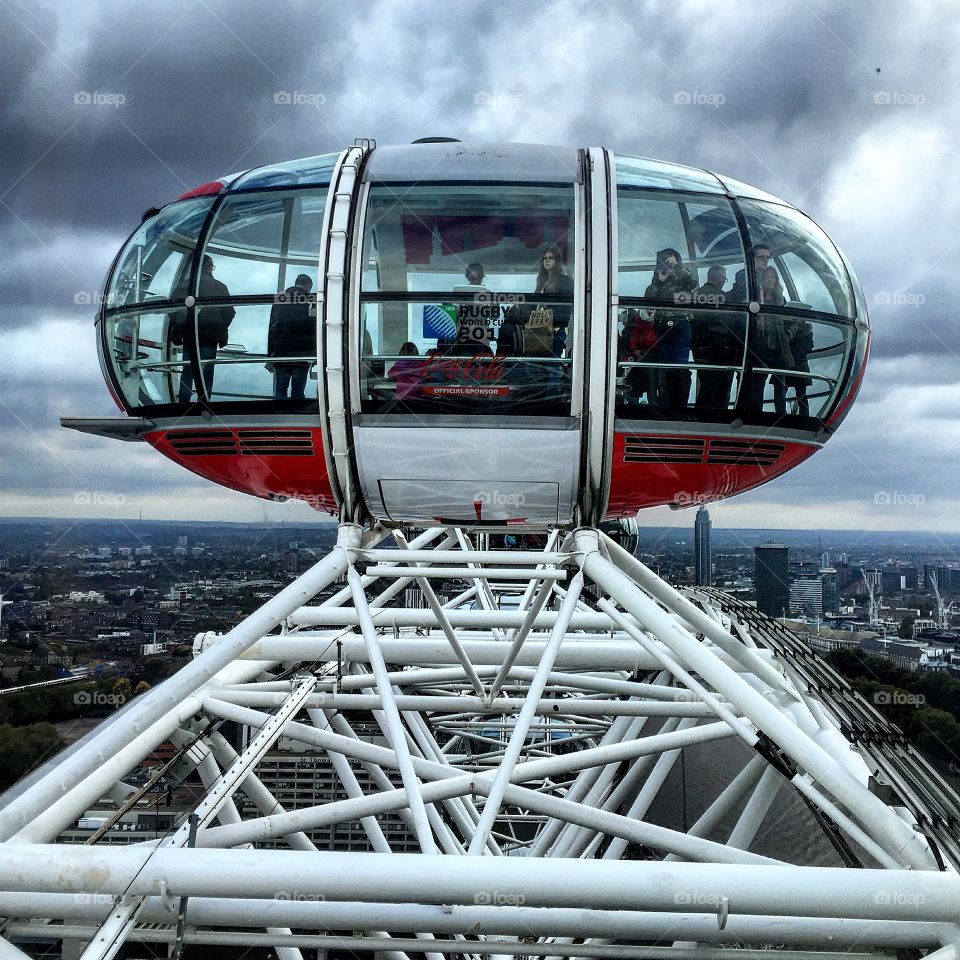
<point x="848" y="111"/>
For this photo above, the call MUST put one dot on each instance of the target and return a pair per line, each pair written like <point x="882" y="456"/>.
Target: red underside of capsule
<point x="651" y="471"/>
<point x="272" y="462"/>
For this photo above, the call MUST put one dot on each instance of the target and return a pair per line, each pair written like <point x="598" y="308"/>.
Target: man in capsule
<point x="717" y="339"/>
<point x="213" y="323"/>
<point x="292" y="333"/>
<point x="753" y="386"/>
<point x="760" y="255"/>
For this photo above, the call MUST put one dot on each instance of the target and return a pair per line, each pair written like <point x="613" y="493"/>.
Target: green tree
<point x="23" y="748"/>
<point x="936" y="733"/>
<point x="123" y="688"/>
<point x="941" y="691"/>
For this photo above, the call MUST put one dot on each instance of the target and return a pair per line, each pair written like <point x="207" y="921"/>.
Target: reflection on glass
<point x="811" y="269"/>
<point x="744" y="190"/>
<point x="513" y="372"/>
<point x="794" y="365"/>
<point x="155" y="262"/>
<point x="270" y="353"/>
<point x="309" y="171"/>
<point x="702" y="230"/>
<point x="260" y="242"/>
<point x="146" y="353"/>
<point x="246" y="352"/>
<point x="640" y="172"/>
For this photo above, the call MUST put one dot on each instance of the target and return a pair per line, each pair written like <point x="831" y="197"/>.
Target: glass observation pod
<point x="492" y="334"/>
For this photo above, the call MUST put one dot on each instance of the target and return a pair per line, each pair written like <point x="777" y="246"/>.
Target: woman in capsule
<point x="552" y="279"/>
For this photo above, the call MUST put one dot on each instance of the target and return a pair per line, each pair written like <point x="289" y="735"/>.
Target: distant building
<point x="929" y="570"/>
<point x="772" y="579"/>
<point x="806" y="597"/>
<point x="844" y="577"/>
<point x="88" y="596"/>
<point x="907" y="654"/>
<point x="830" y="582"/>
<point x="948" y="578"/>
<point x="893" y="580"/>
<point x="832" y="640"/>
<point x="911" y="577"/>
<point x="824" y="559"/>
<point x="702" y="550"/>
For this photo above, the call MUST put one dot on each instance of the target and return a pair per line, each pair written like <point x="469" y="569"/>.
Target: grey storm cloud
<point x="845" y="110"/>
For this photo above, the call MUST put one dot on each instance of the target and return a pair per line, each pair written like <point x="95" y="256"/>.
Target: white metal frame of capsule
<point x="600" y="676"/>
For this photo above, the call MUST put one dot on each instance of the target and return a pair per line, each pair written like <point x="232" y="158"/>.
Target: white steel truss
<point x="510" y="749"/>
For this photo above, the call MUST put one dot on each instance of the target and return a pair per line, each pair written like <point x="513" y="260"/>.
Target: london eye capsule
<point x="488" y="334"/>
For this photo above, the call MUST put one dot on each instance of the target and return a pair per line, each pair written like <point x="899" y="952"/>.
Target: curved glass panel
<point x="639" y="172"/>
<point x="155" y="262"/>
<point x="860" y="301"/>
<point x="740" y="189"/>
<point x="259" y="243"/>
<point x="310" y="171"/>
<point x="145" y="351"/>
<point x="674" y="359"/>
<point x="810" y="270"/>
<point x="702" y="230"/>
<point x="488" y="310"/>
<point x="794" y="365"/>
<point x="269" y="352"/>
<point x="860" y="347"/>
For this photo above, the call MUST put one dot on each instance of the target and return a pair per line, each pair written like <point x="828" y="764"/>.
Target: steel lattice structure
<point x="522" y="730"/>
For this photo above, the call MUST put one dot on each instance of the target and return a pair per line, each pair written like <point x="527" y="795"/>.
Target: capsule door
<point x="466" y="337"/>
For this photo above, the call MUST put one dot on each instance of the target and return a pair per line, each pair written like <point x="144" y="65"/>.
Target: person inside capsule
<point x="673" y="282"/>
<point x="475" y="321"/>
<point x="760" y="255"/>
<point x="212" y="326"/>
<point x="552" y="279"/>
<point x="717" y="339"/>
<point x="772" y="347"/>
<point x="292" y="333"/>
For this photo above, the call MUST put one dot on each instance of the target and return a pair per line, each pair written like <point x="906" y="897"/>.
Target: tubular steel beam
<point x="615" y="885"/>
<point x="298" y="910"/>
<point x="879" y="821"/>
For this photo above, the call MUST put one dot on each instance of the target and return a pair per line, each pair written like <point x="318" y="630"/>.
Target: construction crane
<point x="873" y="600"/>
<point x="944" y="610"/>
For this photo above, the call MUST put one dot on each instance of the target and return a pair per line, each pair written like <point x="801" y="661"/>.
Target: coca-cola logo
<point x="478" y="369"/>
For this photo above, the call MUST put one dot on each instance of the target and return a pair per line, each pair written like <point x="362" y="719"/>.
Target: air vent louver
<point x="275" y="443"/>
<point x="664" y="449"/>
<point x="248" y="443"/>
<point x="202" y="443"/>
